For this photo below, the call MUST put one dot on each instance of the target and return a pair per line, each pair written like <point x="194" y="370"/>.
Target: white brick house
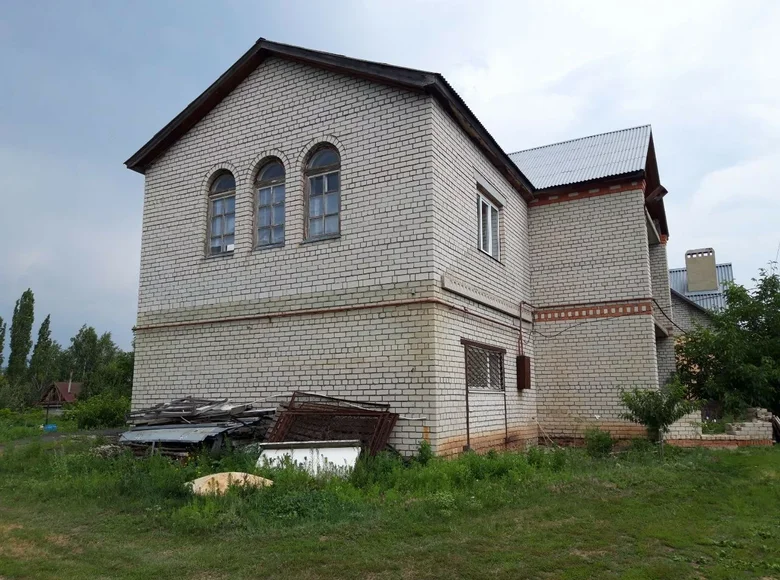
<point x="317" y="222"/>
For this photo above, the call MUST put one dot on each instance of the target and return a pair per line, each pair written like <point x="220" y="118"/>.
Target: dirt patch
<point x="5" y="528"/>
<point x="20" y="549"/>
<point x="63" y="541"/>
<point x="587" y="554"/>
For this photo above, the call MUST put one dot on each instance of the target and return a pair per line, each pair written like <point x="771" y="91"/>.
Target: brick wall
<point x="590" y="250"/>
<point x="688" y="316"/>
<point x="456" y="163"/>
<point x="591" y="254"/>
<point x="384" y="253"/>
<point x="663" y="313"/>
<point x="383" y="136"/>
<point x="235" y="326"/>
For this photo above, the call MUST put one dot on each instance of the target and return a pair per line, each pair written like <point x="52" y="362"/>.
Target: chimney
<point x="700" y="265"/>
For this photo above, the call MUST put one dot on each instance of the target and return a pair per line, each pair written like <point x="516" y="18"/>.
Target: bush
<point x="657" y="410"/>
<point x="99" y="412"/>
<point x="598" y="443"/>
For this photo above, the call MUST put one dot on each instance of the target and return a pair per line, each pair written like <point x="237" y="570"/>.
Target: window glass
<point x="323" y="193"/>
<point x="270" y="204"/>
<point x="324" y="158"/>
<point x="223" y="183"/>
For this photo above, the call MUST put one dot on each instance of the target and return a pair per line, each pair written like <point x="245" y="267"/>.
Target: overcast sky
<point x="85" y="84"/>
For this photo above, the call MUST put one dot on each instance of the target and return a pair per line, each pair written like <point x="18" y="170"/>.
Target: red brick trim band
<point x="558" y="197"/>
<point x="634" y="308"/>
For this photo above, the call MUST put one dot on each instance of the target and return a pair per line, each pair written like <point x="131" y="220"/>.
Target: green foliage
<point x="598" y="443"/>
<point x="736" y="362"/>
<point x="100" y="411"/>
<point x="2" y="342"/>
<point x="18" y="396"/>
<point x="98" y="363"/>
<point x="425" y="453"/>
<point x="21" y="337"/>
<point x="78" y="513"/>
<point x="657" y="410"/>
<point x="25" y="424"/>
<point x="42" y="362"/>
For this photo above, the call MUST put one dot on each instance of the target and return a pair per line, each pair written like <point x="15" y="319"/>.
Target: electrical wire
<point x="669" y="318"/>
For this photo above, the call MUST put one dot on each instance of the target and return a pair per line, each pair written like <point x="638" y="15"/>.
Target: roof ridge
<point x="581" y="138"/>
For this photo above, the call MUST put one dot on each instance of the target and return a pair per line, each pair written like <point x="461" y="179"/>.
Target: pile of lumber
<point x="190" y="410"/>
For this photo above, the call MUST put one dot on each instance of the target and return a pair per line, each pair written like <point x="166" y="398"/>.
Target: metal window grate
<point x="484" y="368"/>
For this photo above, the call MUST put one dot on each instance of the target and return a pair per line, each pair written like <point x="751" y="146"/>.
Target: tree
<point x="657" y="410"/>
<point x="2" y="341"/>
<point x="42" y="360"/>
<point x="736" y="362"/>
<point x="21" y="337"/>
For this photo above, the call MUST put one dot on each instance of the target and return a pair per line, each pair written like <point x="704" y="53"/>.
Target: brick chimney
<point x="700" y="265"/>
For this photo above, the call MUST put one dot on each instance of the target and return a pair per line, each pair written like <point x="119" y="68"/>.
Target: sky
<point x="86" y="83"/>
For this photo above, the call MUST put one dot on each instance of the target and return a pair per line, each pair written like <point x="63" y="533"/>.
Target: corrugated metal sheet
<point x="195" y="433"/>
<point x="678" y="280"/>
<point x="585" y="159"/>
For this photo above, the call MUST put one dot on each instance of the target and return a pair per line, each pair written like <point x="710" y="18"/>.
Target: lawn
<point x="28" y="424"/>
<point x="65" y="513"/>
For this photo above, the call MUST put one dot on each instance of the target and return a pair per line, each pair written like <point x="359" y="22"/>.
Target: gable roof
<point x="683" y="298"/>
<point x="66" y="395"/>
<point x="712" y="299"/>
<point x="586" y="159"/>
<point x="419" y="81"/>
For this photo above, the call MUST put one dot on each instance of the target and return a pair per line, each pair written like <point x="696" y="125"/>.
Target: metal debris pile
<point x="311" y="417"/>
<point x="181" y="426"/>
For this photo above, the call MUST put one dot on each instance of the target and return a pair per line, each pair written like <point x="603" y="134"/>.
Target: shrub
<point x="598" y="443"/>
<point x="425" y="453"/>
<point x="101" y="411"/>
<point x="657" y="410"/>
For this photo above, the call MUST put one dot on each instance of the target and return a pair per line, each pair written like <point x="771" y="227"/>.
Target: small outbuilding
<point x="60" y="392"/>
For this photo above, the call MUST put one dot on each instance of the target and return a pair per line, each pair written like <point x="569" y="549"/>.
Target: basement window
<point x="484" y="366"/>
<point x="488" y="219"/>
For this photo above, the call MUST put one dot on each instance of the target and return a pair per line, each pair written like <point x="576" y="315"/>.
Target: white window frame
<point x="483" y="200"/>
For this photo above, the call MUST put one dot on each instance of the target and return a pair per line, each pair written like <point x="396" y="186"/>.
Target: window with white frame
<point x="270" y="204"/>
<point x="488" y="215"/>
<point x="222" y="215"/>
<point x="323" y="198"/>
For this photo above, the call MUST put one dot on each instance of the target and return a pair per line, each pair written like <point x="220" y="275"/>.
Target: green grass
<point x="26" y="424"/>
<point x="65" y="513"/>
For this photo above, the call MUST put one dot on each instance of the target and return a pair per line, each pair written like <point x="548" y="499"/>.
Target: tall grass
<point x="429" y="486"/>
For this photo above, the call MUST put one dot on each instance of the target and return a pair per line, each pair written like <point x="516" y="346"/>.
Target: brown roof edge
<point x="410" y="79"/>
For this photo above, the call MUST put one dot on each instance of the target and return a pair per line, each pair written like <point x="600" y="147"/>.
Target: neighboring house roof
<point x="586" y="159"/>
<point x="712" y="300"/>
<point x="66" y="394"/>
<point x="690" y="302"/>
<point x="419" y="81"/>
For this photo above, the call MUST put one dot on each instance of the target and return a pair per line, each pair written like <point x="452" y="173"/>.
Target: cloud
<point x="74" y="233"/>
<point x="703" y="73"/>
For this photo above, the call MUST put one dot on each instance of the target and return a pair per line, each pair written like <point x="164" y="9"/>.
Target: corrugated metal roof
<point x="715" y="300"/>
<point x="584" y="159"/>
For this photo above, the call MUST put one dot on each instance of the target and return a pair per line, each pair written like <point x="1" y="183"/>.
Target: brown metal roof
<point x="430" y="83"/>
<point x="67" y="391"/>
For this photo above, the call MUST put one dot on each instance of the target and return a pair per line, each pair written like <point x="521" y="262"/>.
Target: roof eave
<point x="690" y="302"/>
<point x="610" y="179"/>
<point x="410" y="79"/>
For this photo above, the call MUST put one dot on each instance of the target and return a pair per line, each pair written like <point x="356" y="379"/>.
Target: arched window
<point x="270" y="204"/>
<point x="324" y="193"/>
<point x="222" y="214"/>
